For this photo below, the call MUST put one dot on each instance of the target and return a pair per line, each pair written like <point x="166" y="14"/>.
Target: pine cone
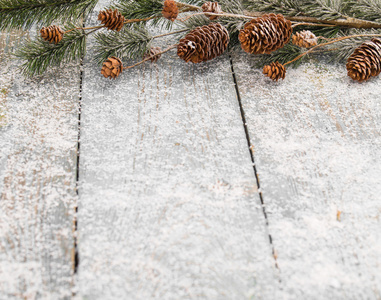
<point x="112" y="20"/>
<point x="112" y="67"/>
<point x="365" y="61"/>
<point x="212" y="7"/>
<point x="265" y="34"/>
<point x="304" y="39"/>
<point x="52" y="34"/>
<point x="170" y="10"/>
<point x="203" y="43"/>
<point x="275" y="71"/>
<point x="151" y="53"/>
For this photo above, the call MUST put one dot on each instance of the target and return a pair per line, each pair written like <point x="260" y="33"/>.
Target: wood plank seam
<point x="251" y="150"/>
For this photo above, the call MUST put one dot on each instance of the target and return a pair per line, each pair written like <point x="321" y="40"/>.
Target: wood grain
<point x="38" y="134"/>
<point x="317" y="146"/>
<point x="168" y="205"/>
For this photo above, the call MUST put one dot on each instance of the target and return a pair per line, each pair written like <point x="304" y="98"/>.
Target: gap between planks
<point x="251" y="151"/>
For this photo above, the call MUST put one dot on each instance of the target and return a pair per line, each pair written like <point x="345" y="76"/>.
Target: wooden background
<point x="182" y="181"/>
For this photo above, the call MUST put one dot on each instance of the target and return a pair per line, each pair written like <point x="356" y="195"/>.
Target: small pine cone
<point x="365" y="61"/>
<point x="52" y="34"/>
<point x="112" y="20"/>
<point x="112" y="67"/>
<point x="212" y="7"/>
<point x="275" y="71"/>
<point x="152" y="54"/>
<point x="304" y="39"/>
<point x="203" y="43"/>
<point x="170" y="10"/>
<point x="265" y="34"/>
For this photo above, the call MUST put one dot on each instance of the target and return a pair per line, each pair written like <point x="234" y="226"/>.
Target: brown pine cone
<point x="265" y="34"/>
<point x="52" y="34"/>
<point x="212" y="7"/>
<point x="275" y="71"/>
<point x="365" y="61"/>
<point x="170" y="10"/>
<point x="112" y="67"/>
<point x="152" y="53"/>
<point x="203" y="43"/>
<point x="304" y="39"/>
<point x="112" y="20"/>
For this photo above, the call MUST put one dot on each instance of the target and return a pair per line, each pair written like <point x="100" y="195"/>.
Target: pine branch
<point x="324" y="9"/>
<point x="126" y="44"/>
<point x="366" y="9"/>
<point x="287" y="7"/>
<point x="283" y="55"/>
<point x="25" y="13"/>
<point x="39" y="55"/>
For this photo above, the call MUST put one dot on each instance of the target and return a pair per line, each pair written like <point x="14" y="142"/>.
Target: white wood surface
<point x="38" y="137"/>
<point x="168" y="203"/>
<point x="317" y="147"/>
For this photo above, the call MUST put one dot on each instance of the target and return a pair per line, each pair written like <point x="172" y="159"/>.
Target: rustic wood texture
<point x="168" y="203"/>
<point x="317" y="146"/>
<point x="38" y="134"/>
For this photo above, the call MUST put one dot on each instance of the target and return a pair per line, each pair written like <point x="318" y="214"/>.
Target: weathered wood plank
<point x="168" y="205"/>
<point x="38" y="134"/>
<point x="317" y="147"/>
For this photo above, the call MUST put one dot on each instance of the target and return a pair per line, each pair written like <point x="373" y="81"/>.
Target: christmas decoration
<point x="365" y="61"/>
<point x="153" y="54"/>
<point x="112" y="20"/>
<point x="203" y="43"/>
<point x="170" y="10"/>
<point x="52" y="34"/>
<point x="265" y="34"/>
<point x="304" y="39"/>
<point x="112" y="67"/>
<point x="212" y="7"/>
<point x="275" y="71"/>
<point x="260" y="27"/>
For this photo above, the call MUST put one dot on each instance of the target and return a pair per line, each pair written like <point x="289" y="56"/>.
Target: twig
<point x="348" y="22"/>
<point x="328" y="43"/>
<point x="84" y="28"/>
<point x="188" y="6"/>
<point x="219" y="15"/>
<point x="148" y="58"/>
<point x="169" y="33"/>
<point x="312" y="24"/>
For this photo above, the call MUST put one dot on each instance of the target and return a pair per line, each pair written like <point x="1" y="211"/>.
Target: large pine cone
<point x="52" y="34"/>
<point x="304" y="39"/>
<point x="203" y="43"/>
<point x="265" y="34"/>
<point x="275" y="71"/>
<point x="152" y="53"/>
<point x="112" y="20"/>
<point x="170" y="10"/>
<point x="365" y="61"/>
<point x="212" y="7"/>
<point x="112" y="67"/>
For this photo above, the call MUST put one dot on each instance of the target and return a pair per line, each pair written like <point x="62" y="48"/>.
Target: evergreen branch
<point x="339" y="39"/>
<point x="285" y="7"/>
<point x="366" y="9"/>
<point x="125" y="44"/>
<point x="25" y="13"/>
<point x="39" y="55"/>
<point x="324" y="9"/>
<point x="283" y="55"/>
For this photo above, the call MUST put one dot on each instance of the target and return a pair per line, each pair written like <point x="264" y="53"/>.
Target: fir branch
<point x="25" y="13"/>
<point x="126" y="44"/>
<point x="324" y="9"/>
<point x="39" y="55"/>
<point x="283" y="55"/>
<point x="366" y="9"/>
<point x="144" y="9"/>
<point x="285" y="7"/>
